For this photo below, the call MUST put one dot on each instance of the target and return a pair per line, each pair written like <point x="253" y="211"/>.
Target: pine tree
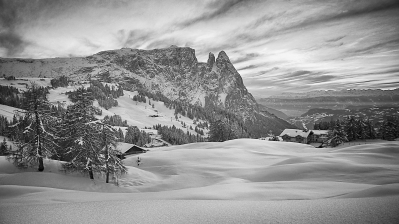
<point x="37" y="139"/>
<point x="81" y="136"/>
<point x="370" y="130"/>
<point x="3" y="147"/>
<point x="351" y="128"/>
<point x="362" y="129"/>
<point x="337" y="134"/>
<point x="121" y="137"/>
<point x="221" y="131"/>
<point x="109" y="153"/>
<point x="388" y="129"/>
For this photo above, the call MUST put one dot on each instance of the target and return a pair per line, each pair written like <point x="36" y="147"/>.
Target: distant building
<point x="268" y="138"/>
<point x="128" y="149"/>
<point x="295" y="135"/>
<point x="303" y="136"/>
<point x="151" y="132"/>
<point x="319" y="135"/>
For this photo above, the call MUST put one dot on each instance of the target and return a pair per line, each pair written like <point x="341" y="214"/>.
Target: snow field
<point x="244" y="169"/>
<point x="138" y="114"/>
<point x="244" y="180"/>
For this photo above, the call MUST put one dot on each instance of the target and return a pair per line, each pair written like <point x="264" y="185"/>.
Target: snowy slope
<point x="21" y="83"/>
<point x="353" y="184"/>
<point x="7" y="111"/>
<point x="138" y="114"/>
<point x="244" y="169"/>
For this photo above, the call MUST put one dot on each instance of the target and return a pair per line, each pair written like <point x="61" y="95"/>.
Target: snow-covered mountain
<point x="173" y="72"/>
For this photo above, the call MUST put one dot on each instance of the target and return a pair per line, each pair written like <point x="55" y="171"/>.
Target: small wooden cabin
<point x="129" y="149"/>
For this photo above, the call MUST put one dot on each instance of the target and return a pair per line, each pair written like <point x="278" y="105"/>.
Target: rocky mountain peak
<point x="223" y="56"/>
<point x="211" y="60"/>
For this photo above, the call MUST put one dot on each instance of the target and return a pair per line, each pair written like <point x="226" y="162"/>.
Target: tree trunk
<point x="41" y="166"/>
<point x="106" y="157"/>
<point x="91" y="171"/>
<point x="106" y="165"/>
<point x="107" y="174"/>
<point x="39" y="145"/>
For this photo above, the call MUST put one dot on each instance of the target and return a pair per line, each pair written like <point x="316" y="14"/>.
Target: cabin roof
<point x="320" y="132"/>
<point x="295" y="132"/>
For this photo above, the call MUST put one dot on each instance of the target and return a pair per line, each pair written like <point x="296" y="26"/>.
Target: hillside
<point x="292" y="183"/>
<point x="173" y="73"/>
<point x="135" y="113"/>
<point x="278" y="113"/>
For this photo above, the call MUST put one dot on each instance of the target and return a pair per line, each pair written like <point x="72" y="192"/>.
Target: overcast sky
<point x="276" y="45"/>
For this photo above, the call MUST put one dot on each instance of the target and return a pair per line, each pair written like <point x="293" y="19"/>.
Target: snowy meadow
<point x="238" y="181"/>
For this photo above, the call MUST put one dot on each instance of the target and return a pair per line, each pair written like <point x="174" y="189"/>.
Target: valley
<point x="376" y="115"/>
<point x="305" y="109"/>
<point x="296" y="104"/>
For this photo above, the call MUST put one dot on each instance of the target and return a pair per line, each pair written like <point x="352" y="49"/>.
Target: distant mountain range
<point x="173" y="72"/>
<point x="295" y="104"/>
<point x="339" y="93"/>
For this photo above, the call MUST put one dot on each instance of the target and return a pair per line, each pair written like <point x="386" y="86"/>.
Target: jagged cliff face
<point x="175" y="72"/>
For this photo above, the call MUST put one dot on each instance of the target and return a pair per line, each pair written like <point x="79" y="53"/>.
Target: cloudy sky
<point x="276" y="45"/>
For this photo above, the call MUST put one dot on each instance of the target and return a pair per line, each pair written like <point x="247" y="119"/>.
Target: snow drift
<point x="239" y="171"/>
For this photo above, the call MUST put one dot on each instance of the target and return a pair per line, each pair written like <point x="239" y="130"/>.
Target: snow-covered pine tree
<point x="388" y="129"/>
<point x="112" y="164"/>
<point x="221" y="131"/>
<point x="336" y="134"/>
<point x="38" y="137"/>
<point x="132" y="135"/>
<point x="3" y="147"/>
<point x="371" y="133"/>
<point x="351" y="128"/>
<point x="121" y="137"/>
<point x="362" y="129"/>
<point x="82" y="139"/>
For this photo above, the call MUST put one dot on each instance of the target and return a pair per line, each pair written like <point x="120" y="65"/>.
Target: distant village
<point x="375" y="114"/>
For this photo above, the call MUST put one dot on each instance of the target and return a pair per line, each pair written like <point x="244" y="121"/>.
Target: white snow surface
<point x="20" y="83"/>
<point x="139" y="114"/>
<point x="238" y="181"/>
<point x="7" y="111"/>
<point x="136" y="113"/>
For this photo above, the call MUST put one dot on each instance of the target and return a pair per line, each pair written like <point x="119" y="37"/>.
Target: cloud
<point x="133" y="38"/>
<point x="321" y="79"/>
<point x="12" y="42"/>
<point x="247" y="67"/>
<point x="275" y="45"/>
<point x="335" y="39"/>
<point x="377" y="46"/>
<point x="297" y="74"/>
<point x="9" y="38"/>
<point x="88" y="43"/>
<point x="246" y="57"/>
<point x="212" y="10"/>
